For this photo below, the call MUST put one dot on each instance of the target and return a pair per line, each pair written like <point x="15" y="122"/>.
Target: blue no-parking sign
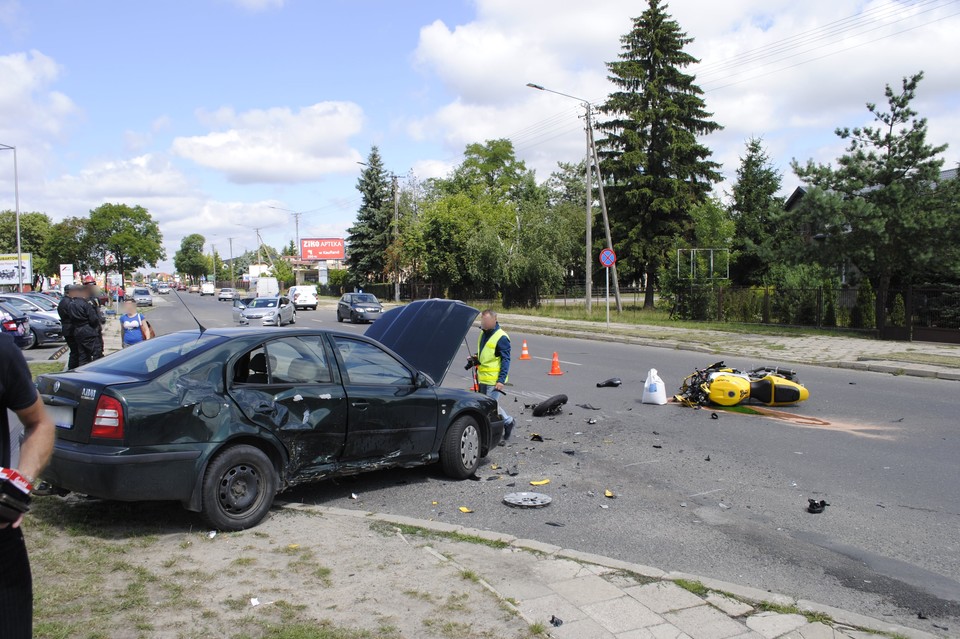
<point x="608" y="258"/>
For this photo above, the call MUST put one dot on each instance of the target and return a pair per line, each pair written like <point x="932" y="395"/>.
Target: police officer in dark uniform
<point x="86" y="327"/>
<point x="70" y="294"/>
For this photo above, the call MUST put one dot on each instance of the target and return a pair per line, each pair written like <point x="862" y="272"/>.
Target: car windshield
<point x="154" y="354"/>
<point x="263" y="302"/>
<point x="364" y="299"/>
<point x="141" y="291"/>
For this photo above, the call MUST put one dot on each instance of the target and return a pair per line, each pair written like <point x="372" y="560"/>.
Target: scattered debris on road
<point x="527" y="500"/>
<point x="555" y="621"/>
<point x="816" y="507"/>
<point x="540" y="482"/>
<point x="613" y="382"/>
<point x="464" y="509"/>
<point x="536" y="437"/>
<point x="609" y="494"/>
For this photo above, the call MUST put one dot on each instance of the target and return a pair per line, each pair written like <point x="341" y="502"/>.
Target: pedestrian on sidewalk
<point x="71" y="295"/>
<point x="493" y="364"/>
<point x="134" y="325"/>
<point x="21" y="464"/>
<point x="87" y="329"/>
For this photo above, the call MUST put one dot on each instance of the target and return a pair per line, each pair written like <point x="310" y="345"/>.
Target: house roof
<point x="800" y="191"/>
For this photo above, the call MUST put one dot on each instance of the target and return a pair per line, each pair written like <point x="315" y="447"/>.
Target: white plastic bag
<point x="654" y="391"/>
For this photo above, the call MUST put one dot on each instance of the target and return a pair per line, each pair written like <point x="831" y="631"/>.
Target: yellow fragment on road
<point x="540" y="482"/>
<point x="609" y="493"/>
<point x="464" y="509"/>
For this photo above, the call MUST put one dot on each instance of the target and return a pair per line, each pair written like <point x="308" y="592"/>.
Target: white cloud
<point x="28" y="105"/>
<point x="277" y="145"/>
<point x="564" y="45"/>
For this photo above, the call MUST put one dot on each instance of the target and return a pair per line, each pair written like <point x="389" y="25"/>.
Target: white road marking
<point x="550" y="359"/>
<point x="706" y="493"/>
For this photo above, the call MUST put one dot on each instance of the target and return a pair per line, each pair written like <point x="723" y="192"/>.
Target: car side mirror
<point x="423" y="381"/>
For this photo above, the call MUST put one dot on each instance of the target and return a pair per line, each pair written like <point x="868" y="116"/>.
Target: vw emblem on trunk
<point x="56" y="386"/>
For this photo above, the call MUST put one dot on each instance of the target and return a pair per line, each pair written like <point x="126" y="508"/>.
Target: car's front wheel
<point x="238" y="488"/>
<point x="293" y="318"/>
<point x="460" y="451"/>
<point x="34" y="340"/>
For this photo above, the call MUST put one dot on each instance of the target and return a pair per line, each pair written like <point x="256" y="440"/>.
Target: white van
<point x="208" y="288"/>
<point x="268" y="287"/>
<point x="304" y="296"/>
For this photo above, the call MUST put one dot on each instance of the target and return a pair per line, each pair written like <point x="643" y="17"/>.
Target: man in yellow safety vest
<point x="493" y="363"/>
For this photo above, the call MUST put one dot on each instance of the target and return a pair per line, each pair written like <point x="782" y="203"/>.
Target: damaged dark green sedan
<point x="221" y="420"/>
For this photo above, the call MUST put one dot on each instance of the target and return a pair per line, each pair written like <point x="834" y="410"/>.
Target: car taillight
<point x="108" y="421"/>
<point x="9" y="326"/>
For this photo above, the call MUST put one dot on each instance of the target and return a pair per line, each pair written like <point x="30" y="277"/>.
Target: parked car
<point x="14" y="322"/>
<point x="54" y="295"/>
<point x="238" y="305"/>
<point x="142" y="297"/>
<point x="359" y="307"/>
<point x="194" y="288"/>
<point x="226" y="294"/>
<point x="270" y="311"/>
<point x="163" y="289"/>
<point x="45" y="326"/>
<point x="208" y="288"/>
<point x="181" y="286"/>
<point x="222" y="420"/>
<point x="303" y="296"/>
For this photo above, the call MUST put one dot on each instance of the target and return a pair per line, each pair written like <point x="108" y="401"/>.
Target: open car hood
<point x="426" y="333"/>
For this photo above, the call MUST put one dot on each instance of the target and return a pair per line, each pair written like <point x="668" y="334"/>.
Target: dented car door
<point x="288" y="386"/>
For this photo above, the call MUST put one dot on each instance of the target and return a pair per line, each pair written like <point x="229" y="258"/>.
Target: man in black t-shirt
<point x="18" y="394"/>
<point x="71" y="295"/>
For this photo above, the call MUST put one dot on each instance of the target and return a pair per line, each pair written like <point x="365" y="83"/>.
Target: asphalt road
<point x="888" y="545"/>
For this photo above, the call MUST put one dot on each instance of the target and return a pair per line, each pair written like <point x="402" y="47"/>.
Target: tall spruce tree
<point x="756" y="210"/>
<point x="657" y="168"/>
<point x="883" y="207"/>
<point x="370" y="236"/>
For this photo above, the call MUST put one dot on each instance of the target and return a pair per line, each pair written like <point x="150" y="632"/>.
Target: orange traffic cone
<point x="555" y="366"/>
<point x="524" y="353"/>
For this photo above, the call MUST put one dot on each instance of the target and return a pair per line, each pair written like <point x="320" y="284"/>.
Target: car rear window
<point x="141" y="291"/>
<point x="152" y="355"/>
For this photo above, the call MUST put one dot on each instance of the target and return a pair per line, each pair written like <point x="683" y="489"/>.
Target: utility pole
<point x="296" y="223"/>
<point x="588" y="262"/>
<point x="232" y="279"/>
<point x="16" y="197"/>
<point x="603" y="206"/>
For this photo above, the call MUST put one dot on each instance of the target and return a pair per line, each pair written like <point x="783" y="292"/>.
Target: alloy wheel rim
<point x="469" y="446"/>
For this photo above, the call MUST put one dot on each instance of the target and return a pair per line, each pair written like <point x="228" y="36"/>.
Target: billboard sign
<point x="66" y="274"/>
<point x="10" y="270"/>
<point x="324" y="248"/>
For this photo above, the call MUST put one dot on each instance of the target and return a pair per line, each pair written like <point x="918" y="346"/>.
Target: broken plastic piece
<point x="464" y="509"/>
<point x="435" y="503"/>
<point x="613" y="382"/>
<point x="556" y="622"/>
<point x="293" y="546"/>
<point x="591" y="421"/>
<point x="609" y="494"/>
<point x="714" y="416"/>
<point x="657" y="446"/>
<point x="815" y="507"/>
<point x="211" y="534"/>
<point x="604" y="506"/>
<point x="494" y="467"/>
<point x="570" y="452"/>
<point x="555" y="524"/>
<point x="354" y="496"/>
<point x="254" y="601"/>
<point x="707" y="458"/>
<point x="540" y="482"/>
<point x="536" y="437"/>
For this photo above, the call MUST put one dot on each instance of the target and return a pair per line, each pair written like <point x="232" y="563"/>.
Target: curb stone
<point x="745" y="593"/>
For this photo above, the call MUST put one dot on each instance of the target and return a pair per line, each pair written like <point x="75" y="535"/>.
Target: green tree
<point x="882" y="207"/>
<point x="291" y="250"/>
<point x="656" y="168"/>
<point x="370" y="235"/>
<point x="129" y="233"/>
<point x="34" y="229"/>
<point x="68" y="242"/>
<point x="189" y="259"/>
<point x="283" y="271"/>
<point x="757" y="210"/>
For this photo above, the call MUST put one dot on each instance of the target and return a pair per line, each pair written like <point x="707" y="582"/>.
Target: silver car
<point x="142" y="297"/>
<point x="270" y="311"/>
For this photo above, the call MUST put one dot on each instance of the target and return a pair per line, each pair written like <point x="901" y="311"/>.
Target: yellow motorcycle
<point x="724" y="386"/>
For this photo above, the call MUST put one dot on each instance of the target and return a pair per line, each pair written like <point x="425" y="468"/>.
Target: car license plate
<point x="62" y="416"/>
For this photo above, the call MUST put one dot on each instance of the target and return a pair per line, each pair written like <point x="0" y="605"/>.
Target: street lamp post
<point x="590" y="159"/>
<point x="16" y="196"/>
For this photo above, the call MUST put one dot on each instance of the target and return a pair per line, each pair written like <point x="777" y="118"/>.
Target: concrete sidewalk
<point x="569" y="594"/>
<point x="917" y="359"/>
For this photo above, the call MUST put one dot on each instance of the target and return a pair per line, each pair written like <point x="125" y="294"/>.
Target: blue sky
<point x="210" y="112"/>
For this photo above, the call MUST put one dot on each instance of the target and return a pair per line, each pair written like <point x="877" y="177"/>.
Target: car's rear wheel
<point x="238" y="488"/>
<point x="460" y="451"/>
<point x="34" y="340"/>
<point x="339" y="317"/>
